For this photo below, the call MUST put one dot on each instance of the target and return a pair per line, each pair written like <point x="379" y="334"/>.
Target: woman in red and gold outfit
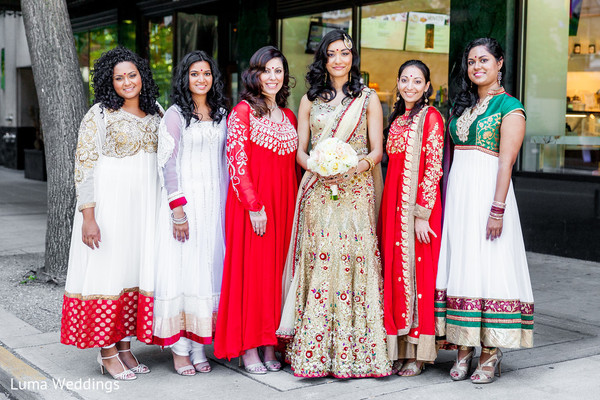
<point x="411" y="221"/>
<point x="261" y="154"/>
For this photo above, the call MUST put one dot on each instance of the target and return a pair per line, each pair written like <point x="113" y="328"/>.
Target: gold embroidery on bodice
<point x="320" y="113"/>
<point x="127" y="134"/>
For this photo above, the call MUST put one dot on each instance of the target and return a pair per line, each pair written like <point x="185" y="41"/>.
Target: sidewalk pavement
<point x="564" y="364"/>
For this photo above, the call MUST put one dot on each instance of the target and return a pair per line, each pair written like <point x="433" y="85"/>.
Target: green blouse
<point x="480" y="125"/>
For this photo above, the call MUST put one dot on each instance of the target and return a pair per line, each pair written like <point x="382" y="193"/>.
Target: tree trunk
<point x="62" y="100"/>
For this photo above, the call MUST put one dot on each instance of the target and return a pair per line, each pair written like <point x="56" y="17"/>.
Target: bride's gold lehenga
<point x="338" y="326"/>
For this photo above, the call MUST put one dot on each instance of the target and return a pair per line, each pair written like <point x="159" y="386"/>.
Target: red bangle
<point x="177" y="202"/>
<point x="497" y="210"/>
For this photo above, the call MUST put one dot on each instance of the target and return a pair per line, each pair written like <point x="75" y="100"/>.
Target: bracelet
<point x="258" y="213"/>
<point x="499" y="204"/>
<point x="371" y="163"/>
<point x="496" y="216"/>
<point x="497" y="210"/>
<point x="179" y="221"/>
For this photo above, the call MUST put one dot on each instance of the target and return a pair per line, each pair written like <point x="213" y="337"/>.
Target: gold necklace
<point x="404" y="120"/>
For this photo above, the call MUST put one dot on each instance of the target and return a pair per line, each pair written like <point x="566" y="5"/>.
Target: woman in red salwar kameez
<point x="261" y="155"/>
<point x="410" y="221"/>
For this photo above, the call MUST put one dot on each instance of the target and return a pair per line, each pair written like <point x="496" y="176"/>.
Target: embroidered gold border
<point x="414" y="140"/>
<point x="86" y="205"/>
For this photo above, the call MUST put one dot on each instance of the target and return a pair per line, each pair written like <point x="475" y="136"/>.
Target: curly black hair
<point x="182" y="96"/>
<point x="102" y="80"/>
<point x="252" y="91"/>
<point x="467" y="95"/>
<point x="318" y="78"/>
<point x="400" y="106"/>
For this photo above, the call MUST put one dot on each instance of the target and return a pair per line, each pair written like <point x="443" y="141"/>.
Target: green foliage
<point x="90" y="45"/>
<point x="161" y="56"/>
<point x="29" y="277"/>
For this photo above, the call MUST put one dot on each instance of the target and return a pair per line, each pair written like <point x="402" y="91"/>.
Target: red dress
<point x="261" y="155"/>
<point x="410" y="268"/>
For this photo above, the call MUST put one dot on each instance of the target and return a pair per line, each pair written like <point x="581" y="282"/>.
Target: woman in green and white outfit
<point x="483" y="294"/>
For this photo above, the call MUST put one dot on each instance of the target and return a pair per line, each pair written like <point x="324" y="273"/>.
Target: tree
<point x="62" y="100"/>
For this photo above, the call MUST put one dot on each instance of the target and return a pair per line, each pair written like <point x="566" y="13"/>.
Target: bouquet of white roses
<point x="332" y="157"/>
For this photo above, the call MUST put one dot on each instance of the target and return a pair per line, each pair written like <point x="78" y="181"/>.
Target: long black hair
<point x="467" y="95"/>
<point x="400" y="106"/>
<point x="252" y="91"/>
<point x="318" y="78"/>
<point x="182" y="96"/>
<point x="102" y="80"/>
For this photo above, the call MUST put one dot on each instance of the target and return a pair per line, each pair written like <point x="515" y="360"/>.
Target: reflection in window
<point x="563" y="93"/>
<point x="196" y="32"/>
<point x="398" y="31"/>
<point x="161" y="56"/>
<point x="90" y="45"/>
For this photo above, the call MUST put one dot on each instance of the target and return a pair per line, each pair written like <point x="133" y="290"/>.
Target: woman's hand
<point x="422" y="231"/>
<point x="259" y="221"/>
<point x="493" y="229"/>
<point x="339" y="178"/>
<point x="181" y="232"/>
<point x="90" y="232"/>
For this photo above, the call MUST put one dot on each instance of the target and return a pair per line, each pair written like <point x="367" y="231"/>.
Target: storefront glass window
<point x="90" y="46"/>
<point x="562" y="93"/>
<point x="161" y="56"/>
<point x="300" y="38"/>
<point x="197" y="32"/>
<point x="390" y="34"/>
<point x="398" y="31"/>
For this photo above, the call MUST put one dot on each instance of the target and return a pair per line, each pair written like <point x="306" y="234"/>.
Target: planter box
<point x="35" y="165"/>
<point x="13" y="142"/>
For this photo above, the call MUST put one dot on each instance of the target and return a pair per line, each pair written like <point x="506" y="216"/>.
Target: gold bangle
<point x="371" y="163"/>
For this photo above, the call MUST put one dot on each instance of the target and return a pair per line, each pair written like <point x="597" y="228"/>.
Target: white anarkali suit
<point x="108" y="292"/>
<point x="193" y="166"/>
<point x="483" y="290"/>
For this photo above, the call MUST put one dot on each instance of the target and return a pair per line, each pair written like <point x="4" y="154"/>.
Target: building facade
<point x="552" y="59"/>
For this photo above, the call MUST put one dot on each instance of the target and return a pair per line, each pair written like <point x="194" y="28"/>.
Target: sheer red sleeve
<point x="432" y="151"/>
<point x="238" y="153"/>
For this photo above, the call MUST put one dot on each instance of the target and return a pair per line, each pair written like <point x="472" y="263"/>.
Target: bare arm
<point x="375" y="132"/>
<point x="512" y="132"/>
<point x="303" y="131"/>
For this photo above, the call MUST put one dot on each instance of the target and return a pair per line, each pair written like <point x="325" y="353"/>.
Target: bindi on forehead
<point x="124" y="73"/>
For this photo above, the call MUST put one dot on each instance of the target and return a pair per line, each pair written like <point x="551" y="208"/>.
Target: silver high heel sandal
<point x="139" y="368"/>
<point x="482" y="376"/>
<point x="271" y="365"/>
<point x="126" y="375"/>
<point x="461" y="367"/>
<point x="256" y="368"/>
